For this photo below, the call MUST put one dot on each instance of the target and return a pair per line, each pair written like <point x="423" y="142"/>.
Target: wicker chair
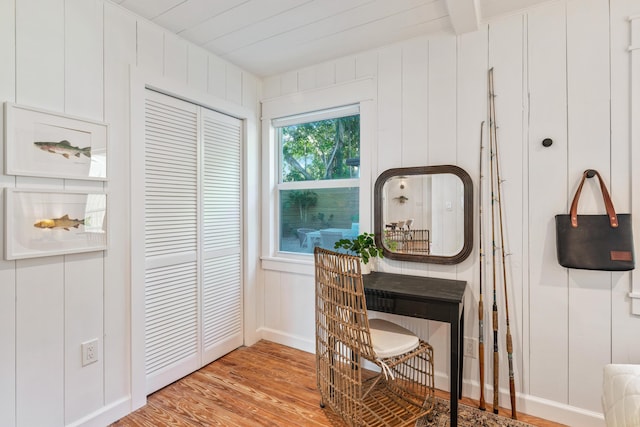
<point x="403" y="390"/>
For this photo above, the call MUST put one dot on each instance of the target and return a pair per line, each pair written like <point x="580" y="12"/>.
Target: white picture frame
<point x="48" y="144"/>
<point x="42" y="223"/>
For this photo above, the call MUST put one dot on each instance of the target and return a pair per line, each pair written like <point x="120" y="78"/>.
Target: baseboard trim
<point x="561" y="413"/>
<point x="105" y="415"/>
<point x="290" y="340"/>
<point x="533" y="405"/>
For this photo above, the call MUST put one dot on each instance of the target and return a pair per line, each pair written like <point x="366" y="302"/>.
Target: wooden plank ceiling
<point x="268" y="37"/>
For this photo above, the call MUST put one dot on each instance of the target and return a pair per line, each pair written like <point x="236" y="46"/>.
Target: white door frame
<point x="139" y="81"/>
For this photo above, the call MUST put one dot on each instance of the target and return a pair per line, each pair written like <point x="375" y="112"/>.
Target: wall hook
<point x="547" y="142"/>
<point x="591" y="173"/>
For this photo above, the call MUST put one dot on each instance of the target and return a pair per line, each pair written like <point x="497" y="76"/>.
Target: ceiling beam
<point x="463" y="14"/>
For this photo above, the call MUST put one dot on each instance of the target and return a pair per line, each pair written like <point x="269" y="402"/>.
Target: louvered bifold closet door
<point x="171" y="243"/>
<point x="222" y="233"/>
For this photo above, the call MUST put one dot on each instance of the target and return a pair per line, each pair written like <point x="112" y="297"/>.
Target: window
<point x="318" y="178"/>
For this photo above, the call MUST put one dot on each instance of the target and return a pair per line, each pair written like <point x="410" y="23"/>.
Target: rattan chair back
<point x="401" y="392"/>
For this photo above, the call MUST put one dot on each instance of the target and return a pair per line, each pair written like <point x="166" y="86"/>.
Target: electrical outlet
<point x="89" y="352"/>
<point x="470" y="347"/>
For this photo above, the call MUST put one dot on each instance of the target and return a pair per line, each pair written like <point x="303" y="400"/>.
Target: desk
<point x="426" y="298"/>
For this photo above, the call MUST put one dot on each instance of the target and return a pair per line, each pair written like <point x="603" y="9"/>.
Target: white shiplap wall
<point x="561" y="71"/>
<point x="74" y="56"/>
<point x="7" y="272"/>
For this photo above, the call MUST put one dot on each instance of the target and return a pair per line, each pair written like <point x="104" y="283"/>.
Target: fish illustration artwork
<point x="64" y="148"/>
<point x="62" y="222"/>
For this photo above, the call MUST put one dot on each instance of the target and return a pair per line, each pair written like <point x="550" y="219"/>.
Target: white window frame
<point x="359" y="92"/>
<point x="332" y="113"/>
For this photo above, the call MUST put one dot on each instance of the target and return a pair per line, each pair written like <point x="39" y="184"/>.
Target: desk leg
<point x="454" y="368"/>
<point x="460" y="353"/>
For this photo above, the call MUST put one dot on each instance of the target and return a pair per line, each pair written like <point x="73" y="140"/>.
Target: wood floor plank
<point x="267" y="384"/>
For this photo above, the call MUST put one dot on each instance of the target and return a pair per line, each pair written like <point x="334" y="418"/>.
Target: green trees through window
<point x="318" y="186"/>
<point x="326" y="149"/>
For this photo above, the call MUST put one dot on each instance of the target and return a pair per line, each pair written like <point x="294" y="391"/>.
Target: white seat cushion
<point x="389" y="339"/>
<point x="621" y="395"/>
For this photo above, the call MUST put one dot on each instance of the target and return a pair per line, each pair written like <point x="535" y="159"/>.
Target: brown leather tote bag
<point x="595" y="242"/>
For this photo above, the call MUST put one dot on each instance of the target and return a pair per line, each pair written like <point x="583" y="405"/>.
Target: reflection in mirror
<point x="424" y="214"/>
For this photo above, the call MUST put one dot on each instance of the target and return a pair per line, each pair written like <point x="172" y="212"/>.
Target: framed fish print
<point x="43" y="223"/>
<point x="48" y="144"/>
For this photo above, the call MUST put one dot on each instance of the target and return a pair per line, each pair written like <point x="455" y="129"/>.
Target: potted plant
<point x="364" y="246"/>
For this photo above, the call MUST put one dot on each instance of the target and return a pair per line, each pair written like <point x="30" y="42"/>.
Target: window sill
<point x="293" y="264"/>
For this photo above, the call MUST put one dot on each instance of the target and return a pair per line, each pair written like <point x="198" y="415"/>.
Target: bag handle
<point x="611" y="213"/>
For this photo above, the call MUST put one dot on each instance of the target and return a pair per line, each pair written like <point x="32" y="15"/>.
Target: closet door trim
<point x="141" y="80"/>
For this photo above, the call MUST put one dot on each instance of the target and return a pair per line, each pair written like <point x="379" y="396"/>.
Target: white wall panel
<point x="250" y="94"/>
<point x="298" y="295"/>
<point x="589" y="147"/>
<point x="272" y="300"/>
<point x="175" y="58"/>
<point x="621" y="96"/>
<point x="289" y="83"/>
<point x="389" y="110"/>
<point x="197" y="72"/>
<point x="217" y="77"/>
<point x="388" y="150"/>
<point x="271" y="87"/>
<point x="623" y="326"/>
<point x="84" y="274"/>
<point x="7" y="268"/>
<point x="442" y="101"/>
<point x="40" y="53"/>
<point x="326" y="74"/>
<point x="8" y="336"/>
<point x="366" y="64"/>
<point x="471" y="94"/>
<point x="635" y="137"/>
<point x="119" y="53"/>
<point x="234" y="84"/>
<point x="253" y="293"/>
<point x="40" y="321"/>
<point x="441" y="148"/>
<point x="368" y="161"/>
<point x="345" y="69"/>
<point x="39" y="283"/>
<point x="8" y="49"/>
<point x="439" y="139"/>
<point x="549" y="333"/>
<point x="150" y="47"/>
<point x="307" y="78"/>
<point x="415" y="103"/>
<point x="83" y="318"/>
<point x="83" y="61"/>
<point x="506" y="57"/>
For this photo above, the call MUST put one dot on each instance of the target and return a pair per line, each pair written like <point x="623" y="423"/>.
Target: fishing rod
<point x="512" y="384"/>
<point x="496" y="355"/>
<point x="480" y="303"/>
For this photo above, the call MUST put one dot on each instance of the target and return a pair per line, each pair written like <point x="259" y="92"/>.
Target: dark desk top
<point x="416" y="287"/>
<point x="427" y="298"/>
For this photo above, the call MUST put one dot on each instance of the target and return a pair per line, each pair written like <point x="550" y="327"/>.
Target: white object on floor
<point x="621" y="395"/>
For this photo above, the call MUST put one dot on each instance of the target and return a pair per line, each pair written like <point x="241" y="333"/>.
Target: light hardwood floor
<point x="266" y="384"/>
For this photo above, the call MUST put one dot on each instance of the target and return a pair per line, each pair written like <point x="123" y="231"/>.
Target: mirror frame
<point x="468" y="213"/>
